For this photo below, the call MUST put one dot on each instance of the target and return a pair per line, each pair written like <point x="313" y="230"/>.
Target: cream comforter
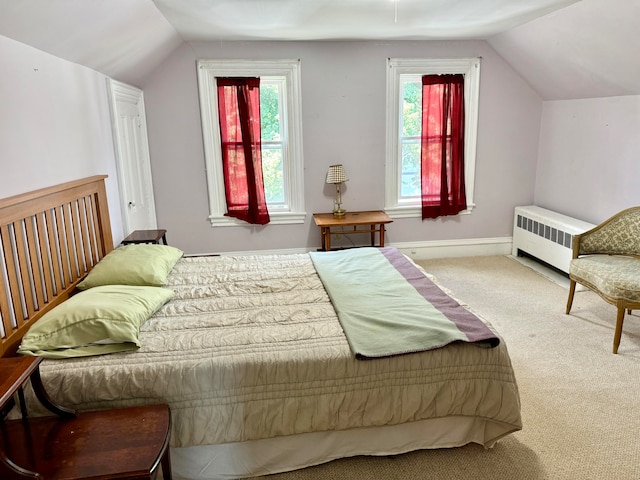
<point x="251" y="348"/>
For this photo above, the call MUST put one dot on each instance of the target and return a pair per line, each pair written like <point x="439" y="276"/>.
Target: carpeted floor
<point x="579" y="401"/>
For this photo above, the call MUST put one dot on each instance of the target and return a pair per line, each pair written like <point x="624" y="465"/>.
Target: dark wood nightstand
<point x="121" y="443"/>
<point x="146" y="236"/>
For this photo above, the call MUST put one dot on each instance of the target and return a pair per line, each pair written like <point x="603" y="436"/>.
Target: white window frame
<point x="293" y="164"/>
<point x="396" y="67"/>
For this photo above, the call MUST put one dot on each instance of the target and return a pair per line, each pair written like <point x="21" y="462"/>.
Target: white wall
<point x="589" y="157"/>
<point x="54" y="124"/>
<point x="343" y="88"/>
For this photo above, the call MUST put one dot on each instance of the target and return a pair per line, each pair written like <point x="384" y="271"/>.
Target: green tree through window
<point x="410" y="139"/>
<point x="272" y="155"/>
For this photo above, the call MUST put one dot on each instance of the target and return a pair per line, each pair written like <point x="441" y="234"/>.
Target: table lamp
<point x="337" y="175"/>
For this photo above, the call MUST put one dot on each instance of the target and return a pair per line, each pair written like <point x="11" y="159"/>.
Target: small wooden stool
<point x="121" y="443"/>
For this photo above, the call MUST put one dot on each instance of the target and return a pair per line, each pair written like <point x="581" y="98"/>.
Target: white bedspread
<point x="251" y="348"/>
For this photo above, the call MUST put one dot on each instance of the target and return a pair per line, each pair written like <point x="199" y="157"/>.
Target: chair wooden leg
<point x="618" y="333"/>
<point x="572" y="290"/>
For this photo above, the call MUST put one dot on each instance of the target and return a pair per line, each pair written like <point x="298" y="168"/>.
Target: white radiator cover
<point x="546" y="235"/>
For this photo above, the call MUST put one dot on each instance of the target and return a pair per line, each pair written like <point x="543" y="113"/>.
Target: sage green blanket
<point x="387" y="306"/>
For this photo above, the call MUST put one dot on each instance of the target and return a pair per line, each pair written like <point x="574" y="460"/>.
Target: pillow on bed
<point x="142" y="264"/>
<point x="101" y="320"/>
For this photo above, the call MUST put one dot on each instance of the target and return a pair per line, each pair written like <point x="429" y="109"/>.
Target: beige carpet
<point x="580" y="403"/>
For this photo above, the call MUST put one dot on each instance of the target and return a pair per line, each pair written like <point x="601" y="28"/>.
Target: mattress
<point x="250" y="348"/>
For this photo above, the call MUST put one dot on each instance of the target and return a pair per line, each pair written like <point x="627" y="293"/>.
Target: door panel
<point x="133" y="162"/>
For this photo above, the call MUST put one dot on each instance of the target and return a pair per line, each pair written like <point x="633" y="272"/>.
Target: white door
<point x="132" y="155"/>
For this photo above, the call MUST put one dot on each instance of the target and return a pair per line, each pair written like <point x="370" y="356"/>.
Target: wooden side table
<point x="362" y="222"/>
<point x="146" y="236"/>
<point x="120" y="443"/>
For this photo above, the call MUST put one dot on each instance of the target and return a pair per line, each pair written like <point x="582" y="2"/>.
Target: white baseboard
<point x="471" y="247"/>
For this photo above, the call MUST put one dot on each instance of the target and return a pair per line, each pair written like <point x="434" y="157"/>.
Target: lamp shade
<point x="336" y="174"/>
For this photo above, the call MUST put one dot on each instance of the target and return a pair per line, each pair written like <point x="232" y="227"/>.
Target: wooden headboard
<point x="49" y="239"/>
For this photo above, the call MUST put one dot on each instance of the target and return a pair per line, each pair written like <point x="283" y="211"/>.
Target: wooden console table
<point x="372" y="221"/>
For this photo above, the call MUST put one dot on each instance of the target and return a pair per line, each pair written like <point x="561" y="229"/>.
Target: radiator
<point x="546" y="235"/>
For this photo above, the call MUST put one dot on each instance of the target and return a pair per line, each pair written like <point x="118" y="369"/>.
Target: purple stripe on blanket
<point x="468" y="323"/>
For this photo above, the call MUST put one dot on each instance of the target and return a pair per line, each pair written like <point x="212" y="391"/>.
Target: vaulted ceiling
<point x="564" y="48"/>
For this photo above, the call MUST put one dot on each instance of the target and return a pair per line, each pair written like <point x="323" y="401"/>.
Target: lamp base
<point x="338" y="211"/>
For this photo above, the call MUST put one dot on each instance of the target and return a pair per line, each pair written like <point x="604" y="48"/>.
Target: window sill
<point x="415" y="211"/>
<point x="276" y="218"/>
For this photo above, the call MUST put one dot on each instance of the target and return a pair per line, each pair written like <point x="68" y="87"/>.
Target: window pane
<point x="272" y="162"/>
<point x="411" y="109"/>
<point x="410" y="178"/>
<point x="270" y="111"/>
<point x="272" y="173"/>
<point x="411" y="127"/>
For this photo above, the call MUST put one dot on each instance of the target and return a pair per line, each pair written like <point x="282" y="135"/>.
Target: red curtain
<point x="442" y="145"/>
<point x="239" y="113"/>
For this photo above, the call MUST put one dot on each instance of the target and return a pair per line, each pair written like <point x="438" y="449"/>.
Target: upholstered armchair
<point x="606" y="259"/>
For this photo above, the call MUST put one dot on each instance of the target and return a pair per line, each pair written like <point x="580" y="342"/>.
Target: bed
<point x="249" y="351"/>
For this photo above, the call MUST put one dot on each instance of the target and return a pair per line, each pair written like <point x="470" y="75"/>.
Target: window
<point x="404" y="104"/>
<point x="281" y="129"/>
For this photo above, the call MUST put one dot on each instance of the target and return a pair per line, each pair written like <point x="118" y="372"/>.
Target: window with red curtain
<point x="442" y="145"/>
<point x="239" y="114"/>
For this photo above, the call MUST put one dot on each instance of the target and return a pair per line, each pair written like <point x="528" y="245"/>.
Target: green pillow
<point x="101" y="320"/>
<point x="141" y="264"/>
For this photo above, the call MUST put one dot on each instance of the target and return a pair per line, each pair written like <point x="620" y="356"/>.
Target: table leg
<point x="382" y="234"/>
<point x="45" y="400"/>
<point x="327" y="241"/>
<point x="165" y="461"/>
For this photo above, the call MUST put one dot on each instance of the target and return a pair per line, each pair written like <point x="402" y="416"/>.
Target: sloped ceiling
<point x="586" y="50"/>
<point x="563" y="48"/>
<point x="124" y="39"/>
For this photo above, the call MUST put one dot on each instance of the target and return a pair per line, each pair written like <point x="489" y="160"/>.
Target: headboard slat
<point x="34" y="261"/>
<point x="50" y="238"/>
<point x="26" y="294"/>
<point x="13" y="294"/>
<point x="5" y="306"/>
<point x="52" y="248"/>
<point x="77" y="237"/>
<point x="71" y="253"/>
<point x="63" y="244"/>
<point x="95" y="224"/>
<point x="45" y="256"/>
<point x="86" y="247"/>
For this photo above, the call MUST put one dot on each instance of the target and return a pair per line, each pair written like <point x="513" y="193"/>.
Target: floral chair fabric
<point x="620" y="235"/>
